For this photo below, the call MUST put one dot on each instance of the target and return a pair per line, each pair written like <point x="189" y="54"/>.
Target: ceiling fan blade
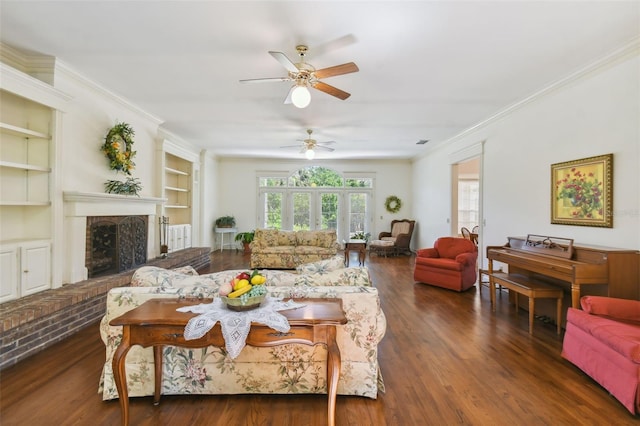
<point x="336" y="70"/>
<point x="291" y="146"/>
<point x="323" y="148"/>
<point x="286" y="62"/>
<point x="333" y="91"/>
<point x="288" y="100"/>
<point x="265" y="80"/>
<point x="326" y="143"/>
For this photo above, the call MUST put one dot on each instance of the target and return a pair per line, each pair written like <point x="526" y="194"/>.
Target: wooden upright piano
<point x="550" y="259"/>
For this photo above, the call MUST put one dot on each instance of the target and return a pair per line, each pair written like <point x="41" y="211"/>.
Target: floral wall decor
<point x="393" y="204"/>
<point x="118" y="147"/>
<point x="582" y="192"/>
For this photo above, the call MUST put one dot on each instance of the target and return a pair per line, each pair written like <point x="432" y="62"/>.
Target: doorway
<point x="466" y="191"/>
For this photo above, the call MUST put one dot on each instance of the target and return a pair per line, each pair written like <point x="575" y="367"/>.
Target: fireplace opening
<point x="115" y="244"/>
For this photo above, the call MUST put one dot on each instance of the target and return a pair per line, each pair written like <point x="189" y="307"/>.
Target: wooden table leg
<point x="575" y="296"/>
<point x="333" y="373"/>
<point x="559" y="315"/>
<point x="157" y="364"/>
<point x="532" y="303"/>
<point x="120" y="374"/>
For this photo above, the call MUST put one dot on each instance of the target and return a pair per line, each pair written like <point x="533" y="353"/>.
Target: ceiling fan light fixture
<point x="300" y="97"/>
<point x="309" y="153"/>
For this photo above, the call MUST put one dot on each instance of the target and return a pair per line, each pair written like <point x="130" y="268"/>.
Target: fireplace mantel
<point x="80" y="205"/>
<point x="84" y="204"/>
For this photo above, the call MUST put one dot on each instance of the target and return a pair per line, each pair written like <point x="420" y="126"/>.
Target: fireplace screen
<point x="115" y="244"/>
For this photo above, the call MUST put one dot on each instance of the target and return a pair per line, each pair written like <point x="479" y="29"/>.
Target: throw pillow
<point x="186" y="270"/>
<point x="322" y="266"/>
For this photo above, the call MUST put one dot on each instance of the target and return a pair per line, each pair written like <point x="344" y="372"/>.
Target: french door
<point x="346" y="211"/>
<point x="314" y="210"/>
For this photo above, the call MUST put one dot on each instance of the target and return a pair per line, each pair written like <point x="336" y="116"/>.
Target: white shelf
<point x="175" y="171"/>
<point x="176" y="207"/>
<point x="7" y="203"/>
<point x="23" y="166"/>
<point x="22" y="132"/>
<point x="171" y="188"/>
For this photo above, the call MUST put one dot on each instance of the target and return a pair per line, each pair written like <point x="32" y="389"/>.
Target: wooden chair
<point x="397" y="241"/>
<point x="466" y="234"/>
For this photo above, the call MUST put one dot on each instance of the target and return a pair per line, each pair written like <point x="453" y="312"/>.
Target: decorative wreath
<point x="118" y="148"/>
<point x="393" y="204"/>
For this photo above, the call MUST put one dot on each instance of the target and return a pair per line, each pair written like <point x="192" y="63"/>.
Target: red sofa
<point x="603" y="340"/>
<point x="451" y="264"/>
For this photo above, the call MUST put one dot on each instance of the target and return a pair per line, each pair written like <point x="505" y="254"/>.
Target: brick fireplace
<point x="127" y="235"/>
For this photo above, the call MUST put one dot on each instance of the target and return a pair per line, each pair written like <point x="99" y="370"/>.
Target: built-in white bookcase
<point x="29" y="120"/>
<point x="180" y="185"/>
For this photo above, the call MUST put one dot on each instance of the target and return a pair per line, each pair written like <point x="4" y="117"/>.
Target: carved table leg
<point x="333" y="373"/>
<point x="157" y="363"/>
<point x="120" y="375"/>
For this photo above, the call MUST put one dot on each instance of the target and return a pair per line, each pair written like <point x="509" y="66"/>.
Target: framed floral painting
<point x="582" y="192"/>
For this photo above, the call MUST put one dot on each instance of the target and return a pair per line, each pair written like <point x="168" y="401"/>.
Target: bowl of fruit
<point x="245" y="292"/>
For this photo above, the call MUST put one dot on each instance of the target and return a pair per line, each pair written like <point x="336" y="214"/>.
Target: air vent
<point x="422" y="141"/>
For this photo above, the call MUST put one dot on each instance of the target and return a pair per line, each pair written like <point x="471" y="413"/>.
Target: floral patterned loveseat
<point x="286" y="369"/>
<point x="275" y="248"/>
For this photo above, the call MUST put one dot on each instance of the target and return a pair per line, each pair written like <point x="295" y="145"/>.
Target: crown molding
<point x="64" y="69"/>
<point x="16" y="81"/>
<point x="625" y="52"/>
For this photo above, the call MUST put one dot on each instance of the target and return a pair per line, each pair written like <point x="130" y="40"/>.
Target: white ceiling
<point x="428" y="69"/>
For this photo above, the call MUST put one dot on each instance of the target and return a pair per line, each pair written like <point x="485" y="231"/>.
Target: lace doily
<point x="236" y="325"/>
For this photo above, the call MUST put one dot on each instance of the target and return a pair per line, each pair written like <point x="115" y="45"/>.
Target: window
<point x="316" y="198"/>
<point x="468" y="202"/>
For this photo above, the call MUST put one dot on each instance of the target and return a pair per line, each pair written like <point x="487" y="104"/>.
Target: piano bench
<point x="527" y="286"/>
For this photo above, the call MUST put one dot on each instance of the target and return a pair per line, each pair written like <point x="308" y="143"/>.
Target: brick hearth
<point x="33" y="323"/>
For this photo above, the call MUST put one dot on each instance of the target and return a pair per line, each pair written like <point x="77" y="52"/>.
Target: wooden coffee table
<point x="157" y="323"/>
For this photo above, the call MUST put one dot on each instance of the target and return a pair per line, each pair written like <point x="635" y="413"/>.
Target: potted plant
<point x="225" y="222"/>
<point x="245" y="238"/>
<point x="361" y="236"/>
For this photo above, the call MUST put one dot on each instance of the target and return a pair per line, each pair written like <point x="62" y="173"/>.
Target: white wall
<point x="594" y="113"/>
<point x="92" y="112"/>
<point x="83" y="167"/>
<point x="237" y="186"/>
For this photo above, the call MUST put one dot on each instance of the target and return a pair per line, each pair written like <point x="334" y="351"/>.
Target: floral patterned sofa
<point x="286" y="369"/>
<point x="274" y="248"/>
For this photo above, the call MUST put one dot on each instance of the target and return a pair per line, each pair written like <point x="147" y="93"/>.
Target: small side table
<point x="355" y="245"/>
<point x="223" y="231"/>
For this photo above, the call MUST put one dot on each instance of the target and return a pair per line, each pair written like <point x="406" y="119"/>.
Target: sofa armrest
<point x="427" y="252"/>
<point x="466" y="258"/>
<point x="611" y="307"/>
<point x="384" y="234"/>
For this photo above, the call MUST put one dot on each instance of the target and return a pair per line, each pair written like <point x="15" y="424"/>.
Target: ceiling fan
<point x="304" y="75"/>
<point x="309" y="146"/>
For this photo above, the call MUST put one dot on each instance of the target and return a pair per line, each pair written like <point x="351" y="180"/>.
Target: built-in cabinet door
<point x="35" y="264"/>
<point x="8" y="273"/>
<point x="187" y="236"/>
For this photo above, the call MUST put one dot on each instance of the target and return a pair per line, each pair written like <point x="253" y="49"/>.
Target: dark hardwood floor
<point x="446" y="359"/>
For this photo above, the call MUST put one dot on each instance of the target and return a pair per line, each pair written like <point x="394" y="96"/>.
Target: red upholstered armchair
<point x="451" y="263"/>
<point x="603" y="340"/>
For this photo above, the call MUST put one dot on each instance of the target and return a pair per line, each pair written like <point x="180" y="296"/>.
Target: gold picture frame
<point x="582" y="192"/>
